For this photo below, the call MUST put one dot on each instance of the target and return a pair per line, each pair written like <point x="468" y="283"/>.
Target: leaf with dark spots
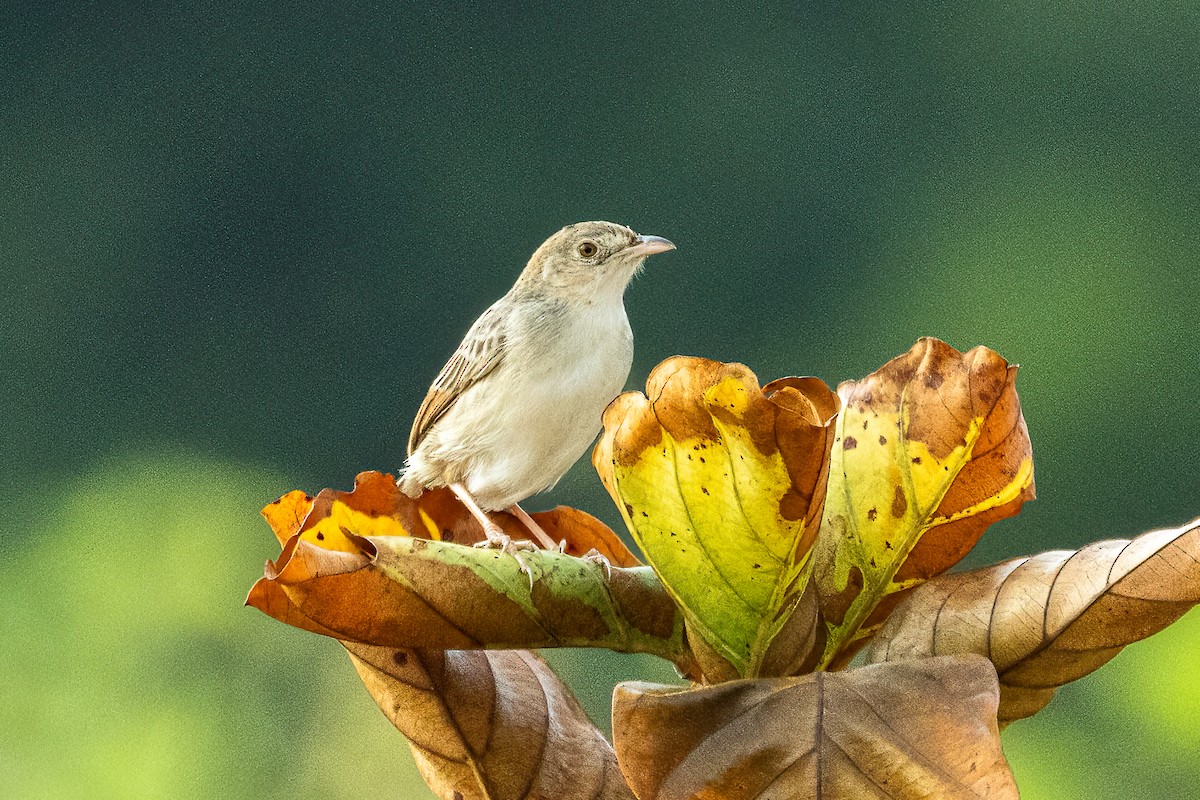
<point x="778" y="560"/>
<point x="753" y="498"/>
<point x="910" y="729"/>
<point x="946" y="454"/>
<point x="490" y="725"/>
<point x="1049" y="619"/>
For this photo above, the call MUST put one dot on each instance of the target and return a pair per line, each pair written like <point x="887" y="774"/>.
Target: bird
<point x="521" y="398"/>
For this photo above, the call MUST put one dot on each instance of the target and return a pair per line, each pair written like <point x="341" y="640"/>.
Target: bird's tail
<point x="409" y="482"/>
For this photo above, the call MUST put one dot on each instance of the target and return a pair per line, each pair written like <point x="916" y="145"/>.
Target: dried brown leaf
<point x="491" y="725"/>
<point x="924" y="729"/>
<point x="482" y="725"/>
<point x="1052" y="618"/>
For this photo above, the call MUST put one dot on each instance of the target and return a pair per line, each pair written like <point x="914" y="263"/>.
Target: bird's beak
<point x="649" y="245"/>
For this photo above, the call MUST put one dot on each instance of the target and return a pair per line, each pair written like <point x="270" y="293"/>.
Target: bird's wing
<point x="478" y="354"/>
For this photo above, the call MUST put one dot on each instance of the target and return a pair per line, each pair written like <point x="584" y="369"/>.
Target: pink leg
<point x="490" y="529"/>
<point x="495" y="536"/>
<point x="533" y="527"/>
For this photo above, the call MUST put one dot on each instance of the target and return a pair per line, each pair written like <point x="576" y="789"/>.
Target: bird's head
<point x="590" y="259"/>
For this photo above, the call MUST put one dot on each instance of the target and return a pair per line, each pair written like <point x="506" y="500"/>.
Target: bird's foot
<point x="498" y="539"/>
<point x="596" y="557"/>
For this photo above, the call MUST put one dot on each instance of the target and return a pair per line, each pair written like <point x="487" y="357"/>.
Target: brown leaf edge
<point x="1049" y="619"/>
<point x="911" y="729"/>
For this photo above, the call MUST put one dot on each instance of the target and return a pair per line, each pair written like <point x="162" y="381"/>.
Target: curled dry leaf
<point x="1052" y="618"/>
<point x="482" y="725"/>
<point x="931" y="449"/>
<point x="721" y="484"/>
<point x="491" y="725"/>
<point x="906" y="730"/>
<point x="388" y="588"/>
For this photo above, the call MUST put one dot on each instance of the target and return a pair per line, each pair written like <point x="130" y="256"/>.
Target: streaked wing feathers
<point x="478" y="354"/>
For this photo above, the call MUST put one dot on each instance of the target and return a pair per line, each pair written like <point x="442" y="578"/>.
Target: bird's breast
<point x="590" y="345"/>
<point x="531" y="427"/>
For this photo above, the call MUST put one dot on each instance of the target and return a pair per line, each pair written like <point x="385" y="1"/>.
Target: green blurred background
<point x="237" y="243"/>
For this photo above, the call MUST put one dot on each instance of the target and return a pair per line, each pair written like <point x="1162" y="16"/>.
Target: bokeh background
<point x="237" y="242"/>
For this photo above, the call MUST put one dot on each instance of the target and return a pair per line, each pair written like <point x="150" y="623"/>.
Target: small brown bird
<point x="520" y="400"/>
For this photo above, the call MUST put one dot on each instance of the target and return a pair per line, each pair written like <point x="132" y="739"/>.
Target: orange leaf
<point x="375" y="507"/>
<point x="486" y="725"/>
<point x="286" y="515"/>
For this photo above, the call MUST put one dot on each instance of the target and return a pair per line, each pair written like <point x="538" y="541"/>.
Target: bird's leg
<point x="593" y="555"/>
<point x="536" y="529"/>
<point x="496" y="537"/>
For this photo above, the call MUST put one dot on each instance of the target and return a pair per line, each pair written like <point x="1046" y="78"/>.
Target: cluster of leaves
<point x="790" y="532"/>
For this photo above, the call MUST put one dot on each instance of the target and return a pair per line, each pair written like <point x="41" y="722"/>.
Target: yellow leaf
<point x="721" y="484"/>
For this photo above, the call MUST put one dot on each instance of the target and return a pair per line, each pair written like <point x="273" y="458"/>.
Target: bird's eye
<point x="588" y="249"/>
